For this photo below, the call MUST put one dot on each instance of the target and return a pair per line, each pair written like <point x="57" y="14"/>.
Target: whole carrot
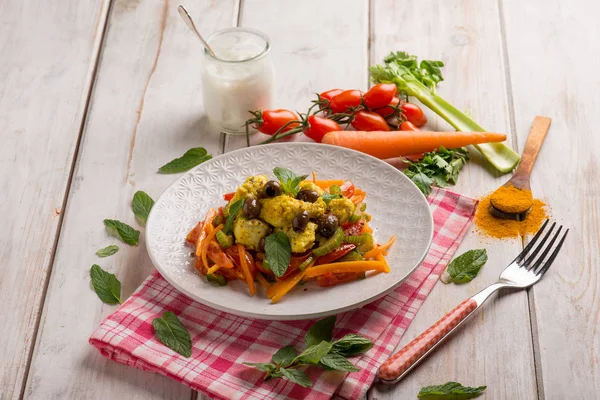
<point x="383" y="144"/>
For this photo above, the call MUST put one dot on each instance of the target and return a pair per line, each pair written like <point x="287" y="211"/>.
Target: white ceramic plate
<point x="396" y="204"/>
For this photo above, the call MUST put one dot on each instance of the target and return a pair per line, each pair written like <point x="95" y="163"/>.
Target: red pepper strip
<point x="337" y="253"/>
<point x="228" y="196"/>
<point x="354" y="229"/>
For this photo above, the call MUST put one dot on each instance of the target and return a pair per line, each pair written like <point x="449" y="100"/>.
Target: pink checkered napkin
<point x="221" y="341"/>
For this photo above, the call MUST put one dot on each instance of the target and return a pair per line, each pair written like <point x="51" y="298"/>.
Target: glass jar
<point x="238" y="79"/>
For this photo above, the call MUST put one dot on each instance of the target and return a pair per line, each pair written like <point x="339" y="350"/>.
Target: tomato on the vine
<point x="271" y="121"/>
<point x="330" y="94"/>
<point x="380" y="95"/>
<point x="319" y="126"/>
<point x="348" y="98"/>
<point x="414" y="114"/>
<point x="369" y="121"/>
<point x="408" y="126"/>
<point x="389" y="109"/>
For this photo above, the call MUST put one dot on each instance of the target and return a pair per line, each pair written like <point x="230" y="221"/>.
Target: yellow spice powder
<point x="511" y="200"/>
<point x="488" y="225"/>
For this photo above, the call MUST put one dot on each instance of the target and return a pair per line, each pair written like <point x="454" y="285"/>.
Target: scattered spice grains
<point x="490" y="226"/>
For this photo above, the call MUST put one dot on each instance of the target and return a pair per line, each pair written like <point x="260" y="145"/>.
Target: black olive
<point x="271" y="189"/>
<point x="327" y="225"/>
<point x="300" y="221"/>
<point x="251" y="208"/>
<point x="261" y="245"/>
<point x="307" y="195"/>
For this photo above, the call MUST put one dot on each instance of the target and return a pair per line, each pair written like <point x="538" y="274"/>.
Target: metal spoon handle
<point x="190" y="23"/>
<point x="538" y="131"/>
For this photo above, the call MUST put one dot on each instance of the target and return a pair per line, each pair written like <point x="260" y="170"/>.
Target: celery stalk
<point x="420" y="80"/>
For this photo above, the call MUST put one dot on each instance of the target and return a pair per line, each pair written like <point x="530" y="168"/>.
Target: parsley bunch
<point x="320" y="351"/>
<point x="440" y="167"/>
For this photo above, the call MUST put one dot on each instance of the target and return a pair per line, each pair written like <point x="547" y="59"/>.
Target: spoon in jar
<point x="190" y="23"/>
<point x="519" y="202"/>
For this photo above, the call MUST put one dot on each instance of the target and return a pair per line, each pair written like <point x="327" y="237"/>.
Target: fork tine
<point x="538" y="262"/>
<point x="550" y="260"/>
<point x="537" y="249"/>
<point x="523" y="253"/>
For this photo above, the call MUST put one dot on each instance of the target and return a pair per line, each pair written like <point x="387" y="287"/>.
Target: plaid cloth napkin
<point x="221" y="341"/>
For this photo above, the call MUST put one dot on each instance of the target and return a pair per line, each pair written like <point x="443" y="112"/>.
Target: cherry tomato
<point x="354" y="229"/>
<point x="348" y="98"/>
<point x="319" y="126"/>
<point x="228" y="196"/>
<point x="259" y="265"/>
<point x="369" y="121"/>
<point x="295" y="262"/>
<point x="389" y="109"/>
<point x="233" y="253"/>
<point x="408" y="126"/>
<point x="347" y="189"/>
<point x="330" y="279"/>
<point x="328" y="95"/>
<point x="337" y="253"/>
<point x="194" y="234"/>
<point x="380" y="95"/>
<point x="414" y="114"/>
<point x="273" y="120"/>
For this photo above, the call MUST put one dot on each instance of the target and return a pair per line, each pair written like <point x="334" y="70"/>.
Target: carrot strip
<point x="345" y="266"/>
<point x="381" y="258"/>
<point x="314" y="176"/>
<point x="383" y="144"/>
<point x="389" y="244"/>
<point x="261" y="279"/>
<point x="358" y="198"/>
<point x="207" y="240"/>
<point x="280" y="289"/>
<point x="373" y="253"/>
<point x="213" y="269"/>
<point x="367" y="229"/>
<point x="246" y="269"/>
<point x="206" y="225"/>
<point x="324" y="184"/>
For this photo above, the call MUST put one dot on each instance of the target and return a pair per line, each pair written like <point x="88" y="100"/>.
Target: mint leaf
<point x="338" y="362"/>
<point x="296" y="376"/>
<point x="465" y="267"/>
<point x="314" y="353"/>
<point x="264" y="367"/>
<point x="285" y="356"/>
<point x="189" y="160"/>
<point x="320" y="331"/>
<point x="278" y="253"/>
<point x="172" y="333"/>
<point x="450" y="391"/>
<point x="234" y="209"/>
<point x="141" y="206"/>
<point x="122" y="231"/>
<point x="107" y="251"/>
<point x="351" y="345"/>
<point x="289" y="180"/>
<point x="106" y="285"/>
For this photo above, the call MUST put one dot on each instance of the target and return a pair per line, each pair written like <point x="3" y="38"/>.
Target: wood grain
<point x="552" y="49"/>
<point x="316" y="46"/>
<point x="48" y="55"/>
<point x="146" y="109"/>
<point x="466" y="35"/>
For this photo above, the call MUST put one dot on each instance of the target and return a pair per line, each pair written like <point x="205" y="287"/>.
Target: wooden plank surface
<point x="146" y="109"/>
<point x="316" y="46"/>
<point x="42" y="105"/>
<point x="466" y="35"/>
<point x="552" y="52"/>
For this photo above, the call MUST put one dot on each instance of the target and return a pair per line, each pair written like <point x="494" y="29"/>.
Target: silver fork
<point x="525" y="270"/>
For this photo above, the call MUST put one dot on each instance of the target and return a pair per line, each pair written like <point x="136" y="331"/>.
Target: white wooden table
<point x="96" y="94"/>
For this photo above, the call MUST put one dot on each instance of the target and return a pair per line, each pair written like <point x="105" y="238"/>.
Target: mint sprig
<point x="320" y="351"/>
<point x="290" y="182"/>
<point x="465" y="267"/>
<point x="278" y="253"/>
<point x="234" y="210"/>
<point x="106" y="285"/>
<point x="122" y="231"/>
<point x="171" y="332"/>
<point x="107" y="251"/>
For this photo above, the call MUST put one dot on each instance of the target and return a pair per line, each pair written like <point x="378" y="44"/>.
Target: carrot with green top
<point x="382" y="144"/>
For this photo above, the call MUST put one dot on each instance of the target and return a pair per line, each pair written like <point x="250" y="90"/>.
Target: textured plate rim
<point x="290" y="317"/>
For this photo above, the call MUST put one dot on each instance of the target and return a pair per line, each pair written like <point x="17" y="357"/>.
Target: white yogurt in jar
<point x="239" y="79"/>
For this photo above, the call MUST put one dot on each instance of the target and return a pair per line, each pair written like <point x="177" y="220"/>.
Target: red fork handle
<point x="413" y="352"/>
